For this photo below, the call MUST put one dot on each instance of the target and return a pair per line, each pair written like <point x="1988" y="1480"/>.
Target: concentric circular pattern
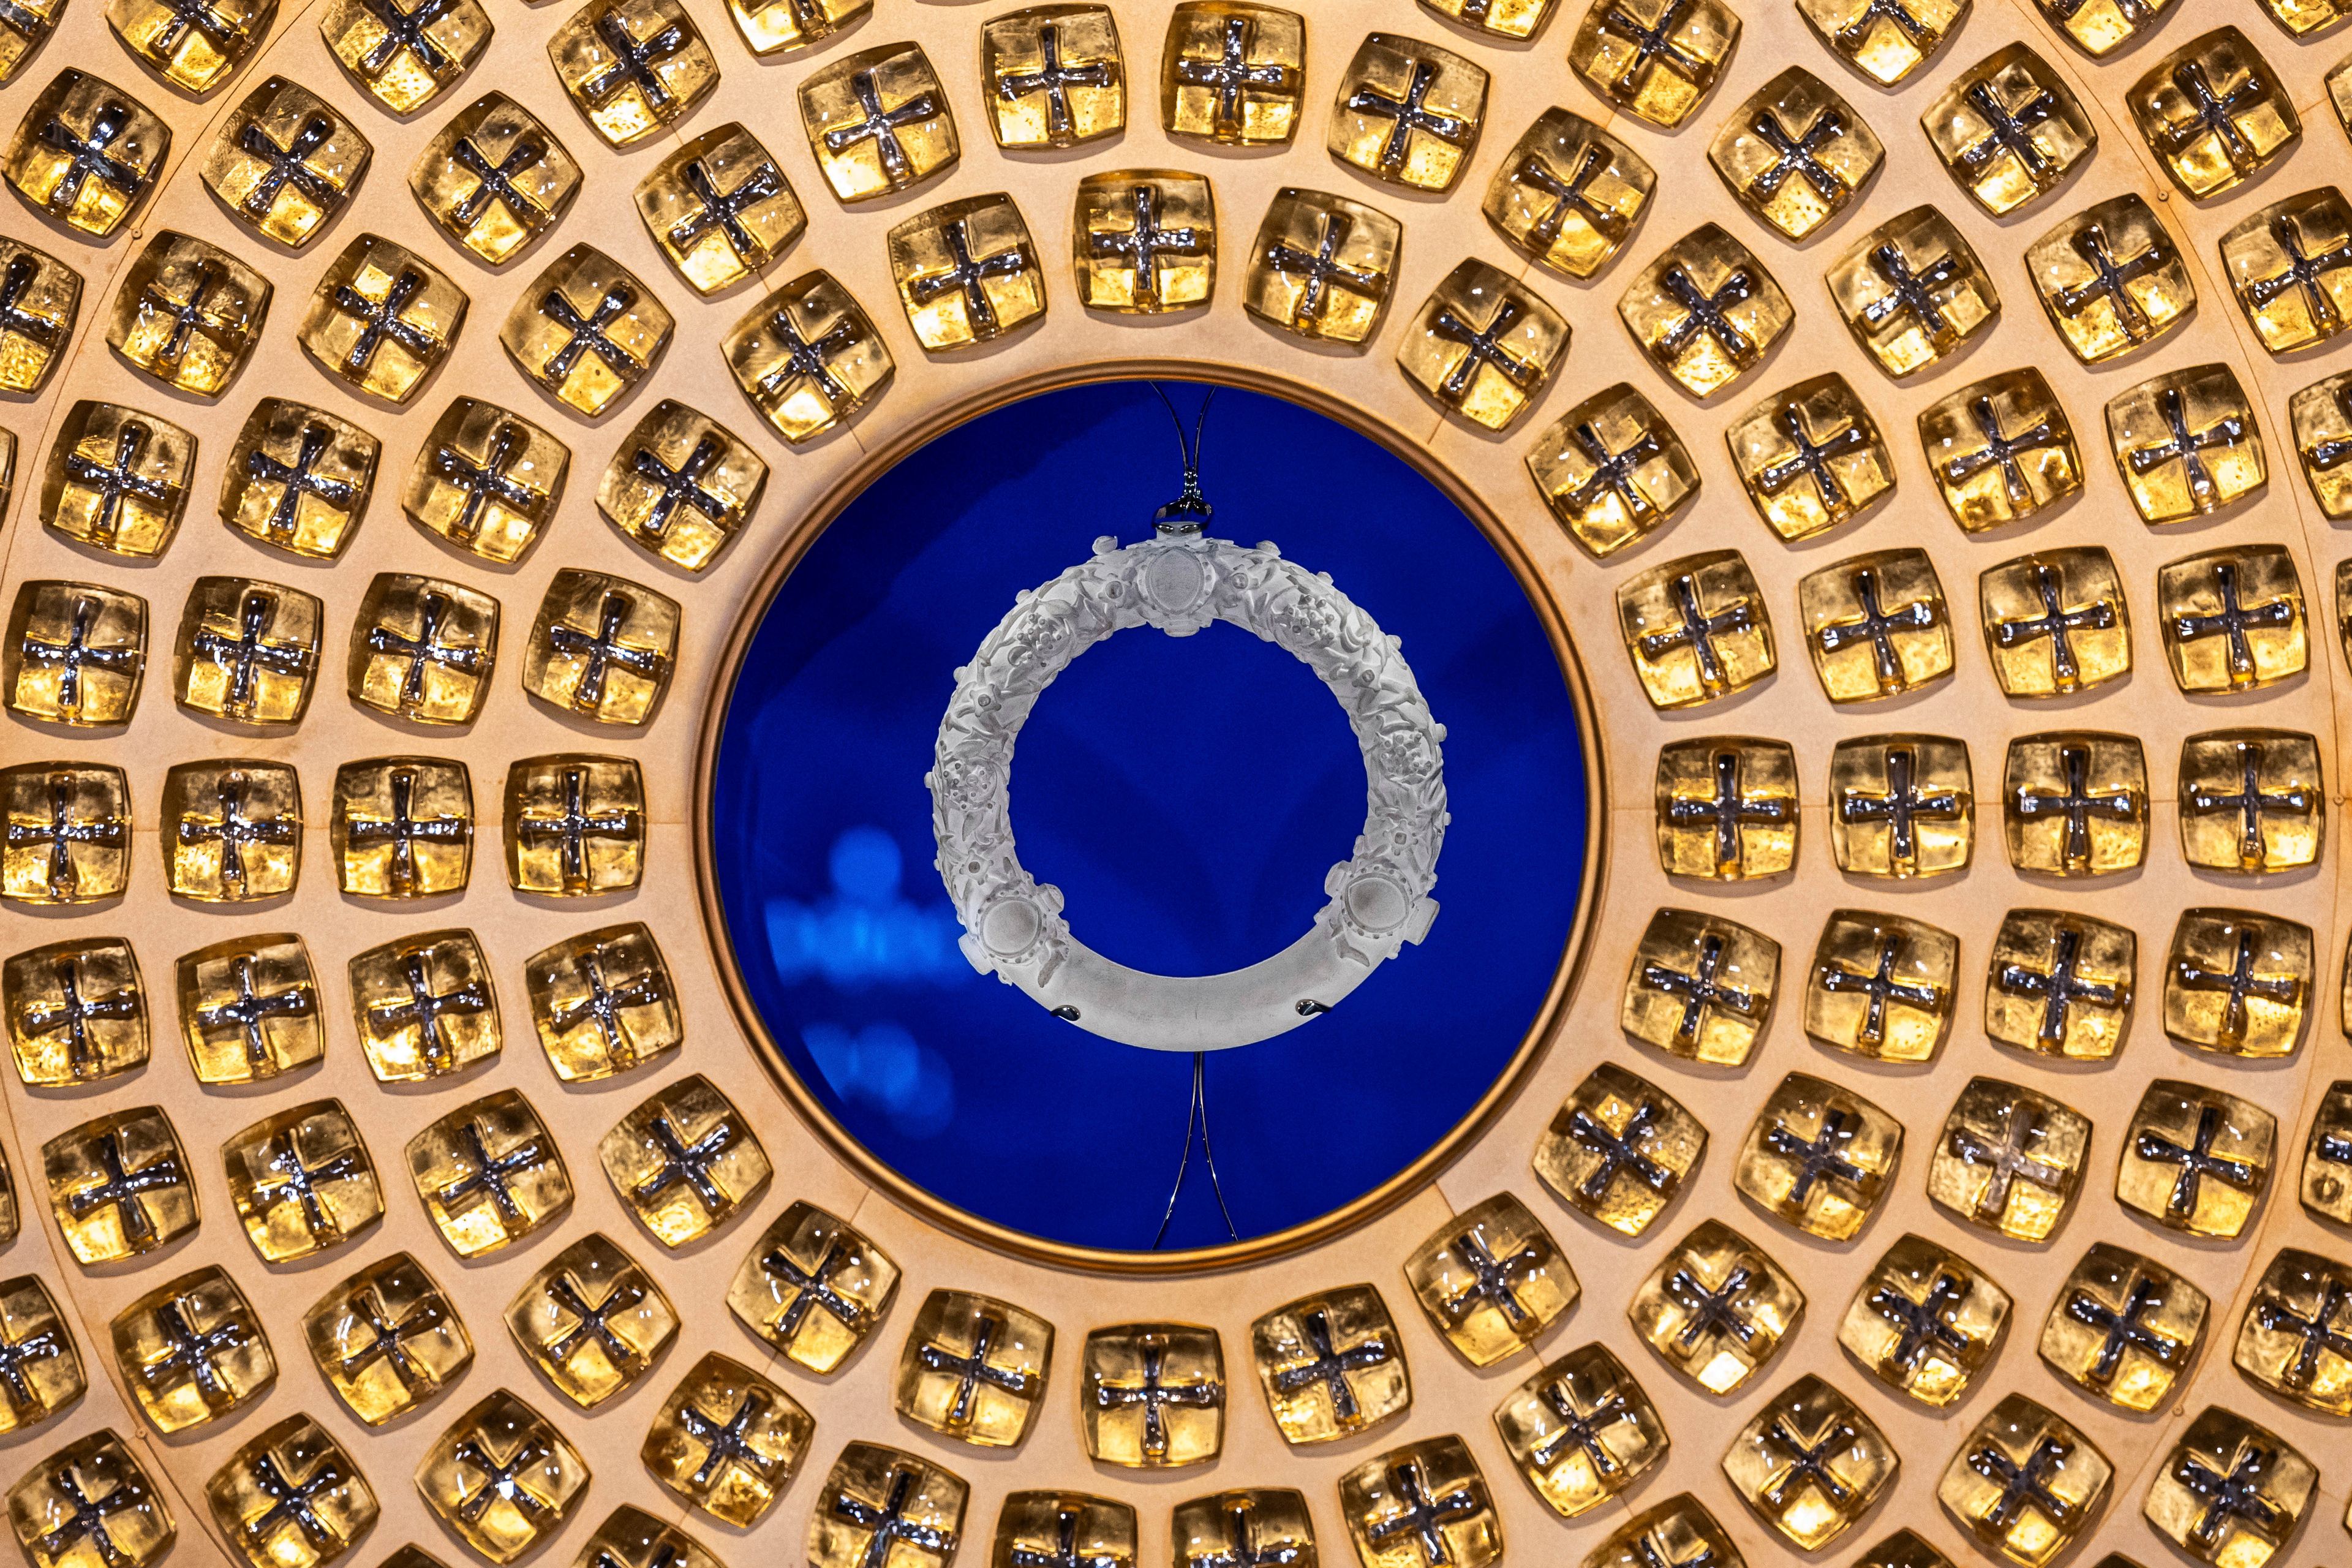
<point x="1786" y="1307"/>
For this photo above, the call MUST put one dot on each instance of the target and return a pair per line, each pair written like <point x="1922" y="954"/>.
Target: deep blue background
<point x="1187" y="795"/>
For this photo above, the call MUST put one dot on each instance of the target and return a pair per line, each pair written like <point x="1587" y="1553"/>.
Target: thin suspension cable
<point x="1196" y="1112"/>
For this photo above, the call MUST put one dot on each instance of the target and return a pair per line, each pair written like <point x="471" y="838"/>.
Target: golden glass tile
<point x="386" y="1340"/>
<point x="1705" y="311"/>
<point x="1482" y="345"/>
<point x="1695" y="630"/>
<point x="966" y="272"/>
<point x="298" y="478"/>
<point x="75" y="1011"/>
<point x="423" y="1007"/>
<point x="2326" y="1191"/>
<point x="2195" y="1160"/>
<point x="1676" y="1534"/>
<point x="246" y="651"/>
<point x="1818" y="1157"/>
<point x="119" y="1186"/>
<point x="2230" y="1492"/>
<point x="249" y="1008"/>
<point x="2023" y="1484"/>
<point x="1612" y="471"/>
<point x="879" y="122"/>
<point x="681" y="484"/>
<point x="1727" y="809"/>
<point x="403" y="827"/>
<point x="2009" y="1160"/>
<point x="1700" y="988"/>
<point x="1900" y="805"/>
<point x="1810" y="1463"/>
<point x="1717" y="1307"/>
<point x="87" y="1505"/>
<point x="728" y="1441"/>
<point x="2290" y="266"/>
<point x="1152" y="1395"/>
<point x="1332" y="1364"/>
<point x="40" y="1369"/>
<point x="1322" y="266"/>
<point x="1617" y="1125"/>
<point x="814" y="1287"/>
<point x="1145" y="241"/>
<point x="720" y="208"/>
<point x="74" y="653"/>
<point x="1233" y="72"/>
<point x="586" y="330"/>
<point x="40" y="300"/>
<point x="2009" y="130"/>
<point x="1420" y="1506"/>
<point x="2056" y="622"/>
<point x="404" y="54"/>
<point x="1053" y="76"/>
<point x="1795" y="153"/>
<point x="1407" y="112"/>
<point x="685" y="1161"/>
<point x="192" y="1351"/>
<point x="2001" y="451"/>
<point x="1260" y="1525"/>
<point x="632" y="67"/>
<point x="495" y="179"/>
<point x="69" y="833"/>
<point x="1925" y="1321"/>
<point x="195" y="47"/>
<point x="1913" y="292"/>
<point x="602" y="647"/>
<point x="1062" y="1527"/>
<point x="1885" y="40"/>
<point x="631" y="1538"/>
<point x="2292" y="1341"/>
<point x="1568" y="194"/>
<point x="2099" y="27"/>
<point x="2234" y="618"/>
<point x="501" y="1478"/>
<point x="118" y="480"/>
<point x="807" y="356"/>
<point x="602" y="1003"/>
<point x="1882" y="986"/>
<point x="2252" y="801"/>
<point x="22" y="35"/>
<point x="1499" y="18"/>
<point x="2111" y="279"/>
<point x="302" y="1181"/>
<point x="1581" y="1430"/>
<point x="1876" y="625"/>
<point x="2321" y="416"/>
<point x="593" y="1321"/>
<point x="421" y="648"/>
<point x="188" y="314"/>
<point x="87" y="153"/>
<point x="781" y="27"/>
<point x="382" y="319"/>
<point x="2238" y="984"/>
<point x="973" y="1368"/>
<point x="1491" y="1280"/>
<point x="1810" y="457"/>
<point x="1657" y="59"/>
<point x="285" y="163"/>
<point x="886" y="1507"/>
<point x="2305" y="18"/>
<point x="489" y="1173"/>
<point x="2213" y="114"/>
<point x="2061" y="984"/>
<point x="231" y="831"/>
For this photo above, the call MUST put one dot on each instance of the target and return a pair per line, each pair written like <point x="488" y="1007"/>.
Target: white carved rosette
<point x="1014" y="926"/>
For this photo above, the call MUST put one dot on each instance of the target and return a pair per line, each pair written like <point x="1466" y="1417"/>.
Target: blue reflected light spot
<point x="864" y="933"/>
<point x="881" y="1066"/>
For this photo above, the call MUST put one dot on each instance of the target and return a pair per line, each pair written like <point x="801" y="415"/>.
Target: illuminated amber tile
<point x="2056" y="622"/>
<point x="1925" y="1321"/>
<point x="2251" y="800"/>
<point x="2195" y="1160"/>
<point x="2320" y="416"/>
<point x="298" y="478"/>
<point x="2099" y="27"/>
<point x="681" y="484"/>
<point x="966" y="272"/>
<point x="890" y="1506"/>
<point x="1885" y="40"/>
<point x="118" y="480"/>
<point x="1700" y="988"/>
<point x="495" y="179"/>
<point x="1331" y="1364"/>
<point x="781" y="26"/>
<point x="586" y="330"/>
<point x="502" y="1478"/>
<point x="404" y="54"/>
<point x="1697" y="629"/>
<point x="1612" y="471"/>
<point x="2305" y="18"/>
<point x="75" y="1011"/>
<point x="1705" y="311"/>
<point x="1876" y="625"/>
<point x="193" y="48"/>
<point x="2009" y="130"/>
<point x="192" y="1351"/>
<point x="807" y="356"/>
<point x="89" y="1504"/>
<point x="2290" y="266"/>
<point x="1145" y="240"/>
<point x="43" y="1371"/>
<point x="232" y="831"/>
<point x="685" y="1161"/>
<point x="403" y="827"/>
<point x="1262" y="1523"/>
<point x="2061" y="984"/>
<point x="1912" y="292"/>
<point x="285" y="163"/>
<point x="878" y="122"/>
<point x="1676" y="1534"/>
<point x="2001" y="451"/>
<point x="1407" y="112"/>
<point x="249" y="1008"/>
<point x="1322" y="266"/>
<point x="1581" y="1430"/>
<point x="246" y="651"/>
<point x="1810" y="457"/>
<point x="2009" y="1160"/>
<point x="1717" y="1307"/>
<point x="2230" y="1492"/>
<point x="1657" y="59"/>
<point x="2237" y="983"/>
<point x="119" y="1186"/>
<point x="1033" y="1526"/>
<point x="2292" y="1341"/>
<point x="1152" y="1395"/>
<point x="1795" y="153"/>
<point x="2213" y="114"/>
<point x="1491" y="1280"/>
<point x="74" y="653"/>
<point x="632" y="67"/>
<point x="1810" y="1463"/>
<point x="2111" y="279"/>
<point x="386" y="1340"/>
<point x="973" y="1368"/>
<point x="40" y="300"/>
<point x="728" y="1441"/>
<point x="1231" y="71"/>
<point x="1619" y="1149"/>
<point x="1900" y="805"/>
<point x="813" y="1288"/>
<point x="602" y="647"/>
<point x="87" y="153"/>
<point x="1053" y="76"/>
<point x="591" y="1320"/>
<point x="188" y="313"/>
<point x="2326" y="1191"/>
<point x="68" y="832"/>
<point x="602" y="1003"/>
<point x="1482" y="345"/>
<point x="1421" y="1505"/>
<point x="2024" y="1484"/>
<point x="423" y="1007"/>
<point x="22" y="35"/>
<point x="1882" y="986"/>
<point x="720" y="208"/>
<point x="1818" y="1157"/>
<point x="421" y="648"/>
<point x="1727" y="809"/>
<point x="1568" y="194"/>
<point x="382" y="319"/>
<point x="302" y="1181"/>
<point x="2234" y="619"/>
<point x="488" y="1173"/>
